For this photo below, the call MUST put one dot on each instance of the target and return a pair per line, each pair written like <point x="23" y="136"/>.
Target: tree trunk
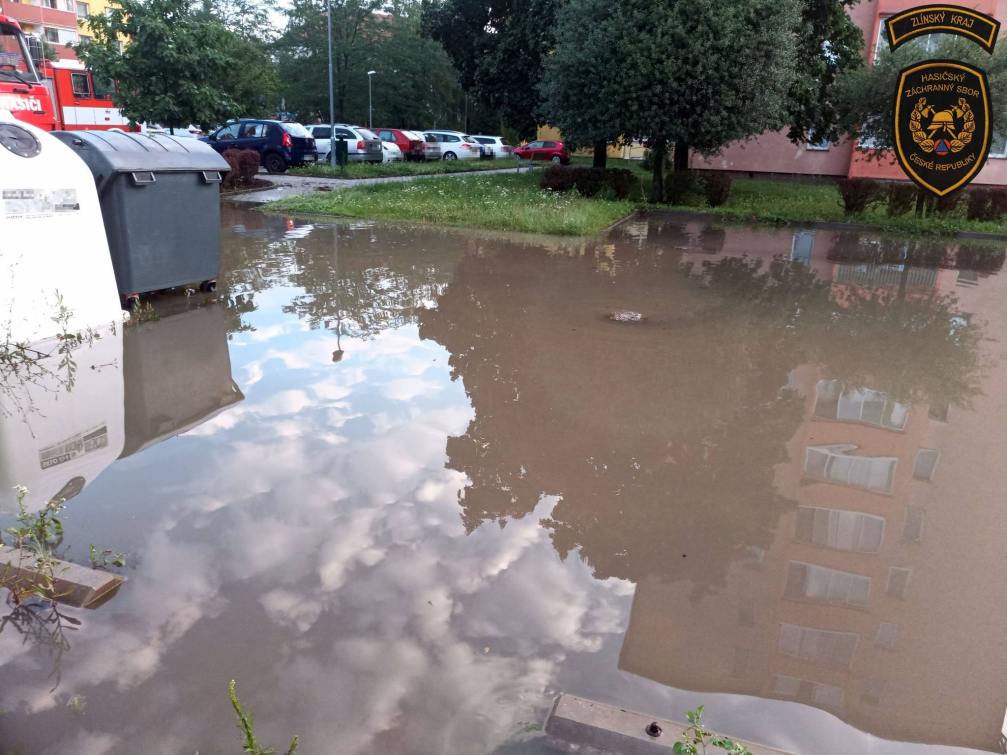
<point x="658" y="149"/>
<point x="681" y="162"/>
<point x="600" y="154"/>
<point x="919" y="203"/>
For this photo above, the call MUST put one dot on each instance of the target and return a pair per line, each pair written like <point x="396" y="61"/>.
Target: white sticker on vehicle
<point x="32" y="204"/>
<point x="73" y="447"/>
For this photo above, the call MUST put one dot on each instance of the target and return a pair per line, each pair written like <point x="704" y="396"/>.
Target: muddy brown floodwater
<point x="406" y="484"/>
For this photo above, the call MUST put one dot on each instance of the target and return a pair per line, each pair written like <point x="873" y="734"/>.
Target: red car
<point x="410" y="142"/>
<point x="544" y="150"/>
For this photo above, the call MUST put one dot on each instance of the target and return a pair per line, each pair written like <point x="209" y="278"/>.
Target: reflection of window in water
<point x="898" y="581"/>
<point x="840" y="530"/>
<point x="968" y="278"/>
<point x="939" y="411"/>
<point x="802" y="247"/>
<point x="802" y="690"/>
<point x="912" y="529"/>
<point x="886" y="635"/>
<point x="831" y="464"/>
<point x="822" y="646"/>
<point x="820" y="583"/>
<point x="870" y="274"/>
<point x="926" y="462"/>
<point x="832" y="401"/>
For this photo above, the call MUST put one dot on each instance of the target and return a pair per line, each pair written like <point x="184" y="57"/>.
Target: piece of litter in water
<point x="625" y="316"/>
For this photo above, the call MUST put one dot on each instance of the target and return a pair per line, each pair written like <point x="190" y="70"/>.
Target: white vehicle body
<point x="392" y="153"/>
<point x="497" y="144"/>
<point x="457" y="146"/>
<point x="361" y="144"/>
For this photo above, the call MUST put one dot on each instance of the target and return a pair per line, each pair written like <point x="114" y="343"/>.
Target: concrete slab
<point x="581" y="726"/>
<point x="74" y="585"/>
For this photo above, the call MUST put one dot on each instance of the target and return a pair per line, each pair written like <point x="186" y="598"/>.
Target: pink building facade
<point x="774" y="153"/>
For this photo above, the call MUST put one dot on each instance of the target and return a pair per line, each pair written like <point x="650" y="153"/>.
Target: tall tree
<point x="579" y="68"/>
<point x="499" y="50"/>
<point x="173" y="68"/>
<point x="697" y="73"/>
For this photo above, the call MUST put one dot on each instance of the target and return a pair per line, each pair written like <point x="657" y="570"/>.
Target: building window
<point x="52" y="36"/>
<point x="926" y="463"/>
<point x="886" y="635"/>
<point x="839" y="529"/>
<point x="835" y="400"/>
<point x="802" y="247"/>
<point x="802" y="690"/>
<point x="109" y="12"/>
<point x="816" y="144"/>
<point x="83" y="10"/>
<point x="119" y="47"/>
<point x="898" y="581"/>
<point x="821" y="646"/>
<point x="912" y="530"/>
<point x="831" y="464"/>
<point x="50" y="4"/>
<point x="998" y="145"/>
<point x="824" y="585"/>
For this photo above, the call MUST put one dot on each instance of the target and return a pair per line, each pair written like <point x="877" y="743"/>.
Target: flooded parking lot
<point x="407" y="484"/>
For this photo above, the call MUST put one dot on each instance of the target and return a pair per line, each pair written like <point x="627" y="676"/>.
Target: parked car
<point x="391" y="151"/>
<point x="544" y="149"/>
<point x="431" y="147"/>
<point x="280" y="145"/>
<point x="191" y="130"/>
<point x="500" y="146"/>
<point x="457" y="146"/>
<point x="362" y="145"/>
<point x="409" y="142"/>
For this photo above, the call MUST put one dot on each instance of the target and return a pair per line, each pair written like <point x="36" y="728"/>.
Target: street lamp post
<point x="332" y="104"/>
<point x="370" y="101"/>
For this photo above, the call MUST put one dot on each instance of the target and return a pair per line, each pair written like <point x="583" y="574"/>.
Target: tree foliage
<point x="499" y="50"/>
<point x="176" y="69"/>
<point x="866" y="97"/>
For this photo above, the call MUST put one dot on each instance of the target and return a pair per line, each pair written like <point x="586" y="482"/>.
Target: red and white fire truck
<point x="60" y="95"/>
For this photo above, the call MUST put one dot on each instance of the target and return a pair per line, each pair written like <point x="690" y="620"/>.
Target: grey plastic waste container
<point x="160" y="201"/>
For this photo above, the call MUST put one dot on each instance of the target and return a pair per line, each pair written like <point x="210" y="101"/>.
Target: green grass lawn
<point x="504" y="202"/>
<point x="791" y="201"/>
<point x="403" y="168"/>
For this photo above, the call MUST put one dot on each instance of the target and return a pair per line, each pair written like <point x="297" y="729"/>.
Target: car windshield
<point x="505" y="142"/>
<point x="430" y="138"/>
<point x="296" y="129"/>
<point x="484" y="139"/>
<point x="366" y="133"/>
<point x="15" y="59"/>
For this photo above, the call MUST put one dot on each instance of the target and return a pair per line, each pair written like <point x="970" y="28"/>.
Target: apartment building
<point x="58" y="22"/>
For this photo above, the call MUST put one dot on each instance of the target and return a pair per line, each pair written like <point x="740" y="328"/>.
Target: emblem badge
<point x="942" y="135"/>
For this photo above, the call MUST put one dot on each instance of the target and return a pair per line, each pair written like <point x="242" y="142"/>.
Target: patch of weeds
<point x="35" y="540"/>
<point x="100" y="559"/>
<point x="251" y="746"/>
<point x="696" y="738"/>
<point x="144" y="313"/>
<point x="77" y="704"/>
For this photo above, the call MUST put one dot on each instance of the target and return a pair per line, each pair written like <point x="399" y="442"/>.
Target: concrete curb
<point x="73" y="585"/>
<point x="577" y="725"/>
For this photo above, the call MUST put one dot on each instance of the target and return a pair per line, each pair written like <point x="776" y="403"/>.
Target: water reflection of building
<point x="878" y="600"/>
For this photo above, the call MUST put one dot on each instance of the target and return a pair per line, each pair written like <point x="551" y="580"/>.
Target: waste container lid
<point x="120" y="151"/>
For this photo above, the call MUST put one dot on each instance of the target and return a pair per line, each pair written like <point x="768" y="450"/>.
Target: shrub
<point x="591" y="182"/>
<point x="244" y="164"/>
<point x="901" y="198"/>
<point x="677" y="187"/>
<point x="998" y="204"/>
<point x="947" y="204"/>
<point x="858" y="194"/>
<point x="647" y="163"/>
<point x="717" y="189"/>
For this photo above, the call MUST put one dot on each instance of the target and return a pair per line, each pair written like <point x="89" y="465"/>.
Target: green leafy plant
<point x="696" y="738"/>
<point x="35" y="539"/>
<point x="77" y="704"/>
<point x="102" y="558"/>
<point x="251" y="746"/>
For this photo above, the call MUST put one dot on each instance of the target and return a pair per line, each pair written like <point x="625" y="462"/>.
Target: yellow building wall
<point x="632" y="151"/>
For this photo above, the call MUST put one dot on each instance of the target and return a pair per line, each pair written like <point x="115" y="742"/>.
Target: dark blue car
<point x="280" y="145"/>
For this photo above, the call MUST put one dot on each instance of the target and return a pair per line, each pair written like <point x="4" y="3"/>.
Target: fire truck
<point x="53" y="95"/>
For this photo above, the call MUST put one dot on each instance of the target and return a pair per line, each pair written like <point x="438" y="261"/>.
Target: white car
<point x="361" y="144"/>
<point x="187" y="132"/>
<point x="500" y="147"/>
<point x="392" y="152"/>
<point x="458" y="146"/>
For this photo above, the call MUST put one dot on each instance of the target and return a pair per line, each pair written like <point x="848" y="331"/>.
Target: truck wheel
<point x="208" y="286"/>
<point x="450" y="156"/>
<point x="274" y="163"/>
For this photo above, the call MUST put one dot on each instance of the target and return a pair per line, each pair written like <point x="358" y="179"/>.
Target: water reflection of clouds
<point x="379" y="604"/>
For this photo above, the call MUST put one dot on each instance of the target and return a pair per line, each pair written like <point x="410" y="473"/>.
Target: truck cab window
<point x="81" y="85"/>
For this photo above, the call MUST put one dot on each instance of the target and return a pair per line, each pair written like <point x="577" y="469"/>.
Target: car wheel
<point x="450" y="156"/>
<point x="557" y="159"/>
<point x="274" y="163"/>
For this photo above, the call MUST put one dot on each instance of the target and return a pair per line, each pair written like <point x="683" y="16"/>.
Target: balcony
<point x="32" y="13"/>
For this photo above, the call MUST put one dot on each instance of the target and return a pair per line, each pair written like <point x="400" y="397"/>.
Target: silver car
<point x="458" y="146"/>
<point x="362" y="146"/>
